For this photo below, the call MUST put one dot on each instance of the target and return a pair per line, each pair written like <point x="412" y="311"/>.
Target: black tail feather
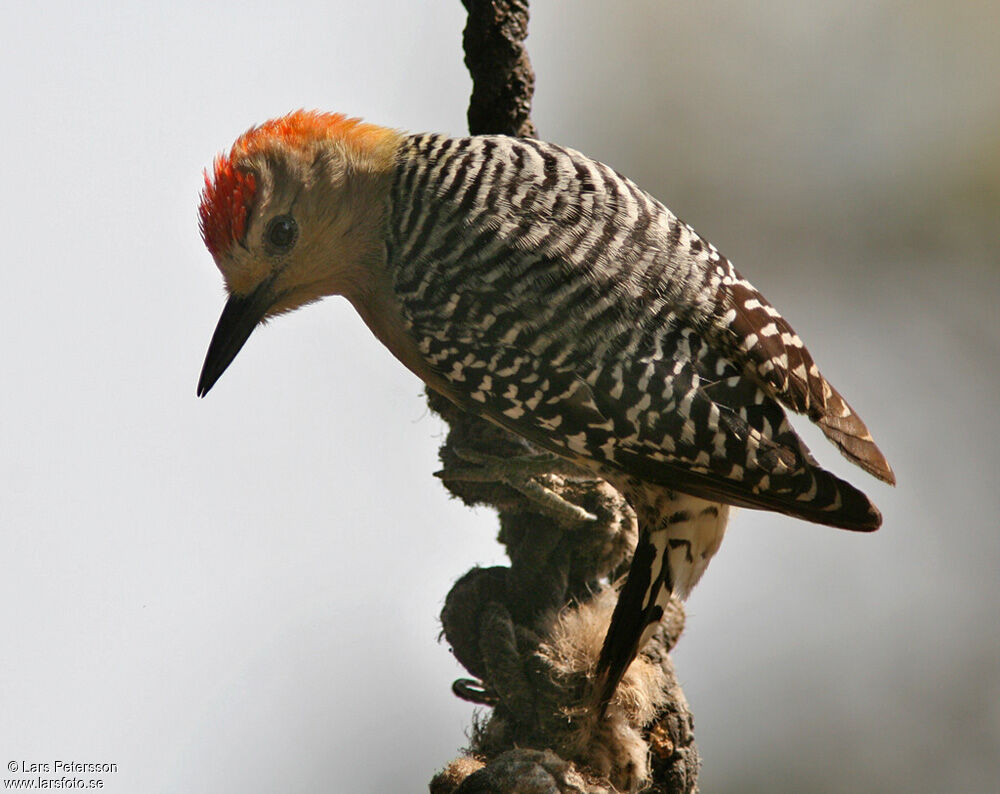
<point x="633" y="613"/>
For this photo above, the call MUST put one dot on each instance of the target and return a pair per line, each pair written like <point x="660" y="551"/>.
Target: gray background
<point x="240" y="593"/>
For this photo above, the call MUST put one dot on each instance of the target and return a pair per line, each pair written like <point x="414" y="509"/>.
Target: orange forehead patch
<point x="227" y="198"/>
<point x="225" y="204"/>
<point x="304" y="127"/>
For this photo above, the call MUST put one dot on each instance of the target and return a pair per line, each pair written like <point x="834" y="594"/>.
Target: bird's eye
<point x="281" y="233"/>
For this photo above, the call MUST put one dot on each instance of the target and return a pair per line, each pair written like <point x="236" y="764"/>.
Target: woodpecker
<point x="543" y="291"/>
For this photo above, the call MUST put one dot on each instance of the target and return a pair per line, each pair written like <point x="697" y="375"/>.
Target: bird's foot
<point x="521" y="472"/>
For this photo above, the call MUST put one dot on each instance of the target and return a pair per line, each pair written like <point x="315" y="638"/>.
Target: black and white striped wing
<point x="698" y="426"/>
<point x="557" y="298"/>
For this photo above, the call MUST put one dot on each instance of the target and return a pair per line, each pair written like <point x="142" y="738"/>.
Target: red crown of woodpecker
<point x="227" y="198"/>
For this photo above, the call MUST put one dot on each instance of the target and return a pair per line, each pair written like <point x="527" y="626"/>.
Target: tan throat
<point x="381" y="312"/>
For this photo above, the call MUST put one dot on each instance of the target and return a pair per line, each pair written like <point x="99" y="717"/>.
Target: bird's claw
<point x="474" y="691"/>
<point x="520" y="473"/>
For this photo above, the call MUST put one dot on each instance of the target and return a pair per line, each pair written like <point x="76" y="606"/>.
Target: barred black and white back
<point x="558" y="299"/>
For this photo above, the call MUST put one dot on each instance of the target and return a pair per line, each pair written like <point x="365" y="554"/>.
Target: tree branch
<point x="503" y="82"/>
<point x="531" y="633"/>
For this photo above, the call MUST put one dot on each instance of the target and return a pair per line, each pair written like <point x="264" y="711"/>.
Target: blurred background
<point x="241" y="593"/>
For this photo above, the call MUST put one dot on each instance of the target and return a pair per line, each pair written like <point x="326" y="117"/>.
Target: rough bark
<point x="530" y="633"/>
<point x="503" y="82"/>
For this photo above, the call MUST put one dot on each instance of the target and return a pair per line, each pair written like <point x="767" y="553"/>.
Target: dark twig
<point x="503" y="82"/>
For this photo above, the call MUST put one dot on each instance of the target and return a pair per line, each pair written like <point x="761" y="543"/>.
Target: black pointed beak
<point x="240" y="316"/>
